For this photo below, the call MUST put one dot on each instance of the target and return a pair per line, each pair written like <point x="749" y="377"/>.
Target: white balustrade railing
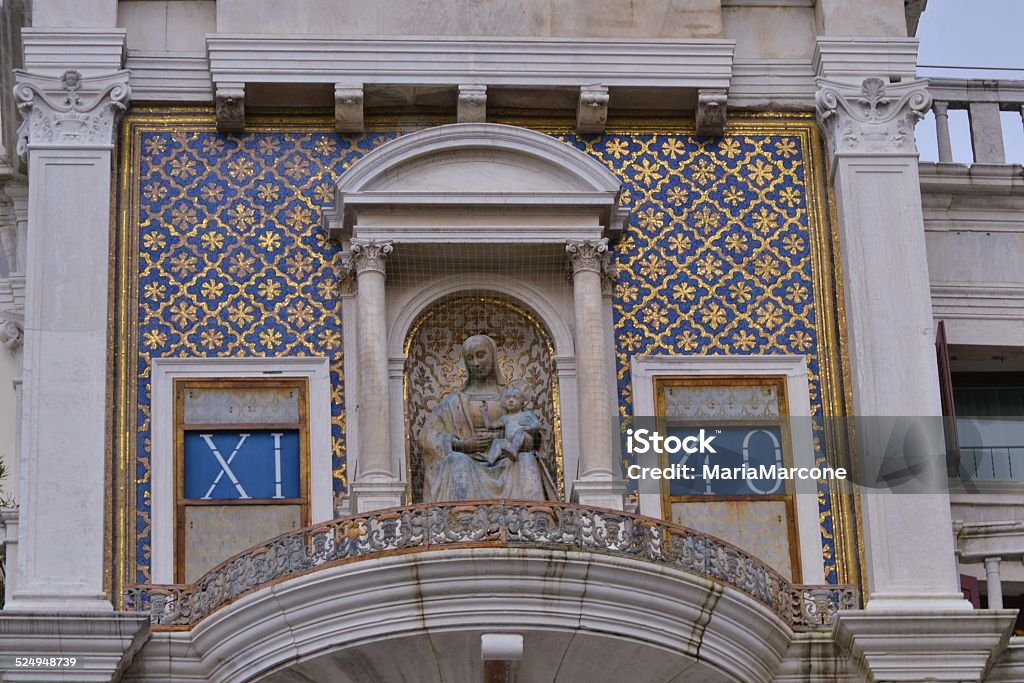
<point x="984" y="100"/>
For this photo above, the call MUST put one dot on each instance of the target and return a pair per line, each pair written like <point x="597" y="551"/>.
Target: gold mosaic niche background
<point x="828" y="322"/>
<point x="434" y="368"/>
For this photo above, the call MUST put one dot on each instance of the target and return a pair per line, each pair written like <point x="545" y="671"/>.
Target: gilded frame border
<point x="830" y="325"/>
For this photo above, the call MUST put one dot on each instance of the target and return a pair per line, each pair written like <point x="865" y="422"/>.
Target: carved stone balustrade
<point x="424" y="528"/>
<point x="984" y="99"/>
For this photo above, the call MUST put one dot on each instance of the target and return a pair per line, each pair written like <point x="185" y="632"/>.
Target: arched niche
<point x="486" y="202"/>
<point x="434" y="367"/>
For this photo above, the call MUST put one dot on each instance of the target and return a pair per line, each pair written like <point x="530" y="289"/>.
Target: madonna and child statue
<point x="481" y="441"/>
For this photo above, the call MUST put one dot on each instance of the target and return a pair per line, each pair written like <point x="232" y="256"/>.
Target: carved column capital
<point x="12" y="329"/>
<point x="587" y="255"/>
<point x="876" y="118"/>
<point x="369" y="255"/>
<point x="70" y="110"/>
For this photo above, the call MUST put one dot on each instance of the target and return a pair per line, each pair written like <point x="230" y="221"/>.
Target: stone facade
<point x="704" y="190"/>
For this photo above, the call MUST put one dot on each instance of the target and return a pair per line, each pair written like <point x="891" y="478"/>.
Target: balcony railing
<point x="992" y="462"/>
<point x="984" y="100"/>
<point x="495" y="525"/>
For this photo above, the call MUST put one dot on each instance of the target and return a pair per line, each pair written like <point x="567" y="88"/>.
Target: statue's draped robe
<point x="449" y="475"/>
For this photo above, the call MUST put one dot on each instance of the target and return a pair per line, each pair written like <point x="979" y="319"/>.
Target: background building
<point x="242" y="243"/>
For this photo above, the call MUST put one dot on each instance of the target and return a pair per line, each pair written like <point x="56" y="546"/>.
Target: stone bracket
<point x="12" y="329"/>
<point x="592" y="110"/>
<point x="230" y="101"/>
<point x="711" y="112"/>
<point x="348" y="108"/>
<point x="472" y="107"/>
<point x="917" y="645"/>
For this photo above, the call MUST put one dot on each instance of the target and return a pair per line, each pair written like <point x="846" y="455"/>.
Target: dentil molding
<point x="70" y="110"/>
<point x="878" y="118"/>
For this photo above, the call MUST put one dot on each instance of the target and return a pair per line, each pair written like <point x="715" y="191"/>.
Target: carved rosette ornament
<point x="369" y="255"/>
<point x="877" y="118"/>
<point x="69" y="110"/>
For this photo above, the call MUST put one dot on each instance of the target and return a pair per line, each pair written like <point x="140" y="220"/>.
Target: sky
<point x="971" y="33"/>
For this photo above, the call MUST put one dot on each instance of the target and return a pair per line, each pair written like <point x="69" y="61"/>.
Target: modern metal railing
<point x="992" y="462"/>
<point x="496" y="524"/>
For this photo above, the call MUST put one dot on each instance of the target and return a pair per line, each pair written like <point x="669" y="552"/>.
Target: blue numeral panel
<point x="735" y="447"/>
<point x="241" y="465"/>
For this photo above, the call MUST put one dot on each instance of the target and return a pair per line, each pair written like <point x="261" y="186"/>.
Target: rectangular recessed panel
<point x="274" y="405"/>
<point x="726" y="401"/>
<point x="213" y="533"/>
<point x="760" y="527"/>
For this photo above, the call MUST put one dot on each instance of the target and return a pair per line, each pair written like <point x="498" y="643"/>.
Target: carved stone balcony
<point x="622" y="594"/>
<point x="502" y="524"/>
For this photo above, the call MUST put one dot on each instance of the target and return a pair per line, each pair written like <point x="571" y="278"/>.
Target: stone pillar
<point x="67" y="135"/>
<point x="873" y="164"/>
<point x="598" y="483"/>
<point x="945" y="144"/>
<point x="375" y="483"/>
<point x="994" y="582"/>
<point x="914" y="606"/>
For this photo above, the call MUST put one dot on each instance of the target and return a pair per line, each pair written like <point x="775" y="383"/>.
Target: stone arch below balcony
<point x="570" y="606"/>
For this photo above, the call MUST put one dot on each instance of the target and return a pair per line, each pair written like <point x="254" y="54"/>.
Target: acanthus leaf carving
<point x="69" y="110"/>
<point x="370" y="255"/>
<point x="588" y="255"/>
<point x="876" y="118"/>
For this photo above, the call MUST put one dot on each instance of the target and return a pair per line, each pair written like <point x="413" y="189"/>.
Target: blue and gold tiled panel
<point x="716" y="258"/>
<point x="231" y="262"/>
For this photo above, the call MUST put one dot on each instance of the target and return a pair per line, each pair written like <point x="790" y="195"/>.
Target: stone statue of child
<point x="518" y="427"/>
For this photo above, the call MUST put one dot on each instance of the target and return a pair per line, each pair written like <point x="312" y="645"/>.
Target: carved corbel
<point x="472" y="107"/>
<point x="876" y="118"/>
<point x="69" y="110"/>
<point x="592" y="110"/>
<point x="230" y="107"/>
<point x="12" y="329"/>
<point x="711" y="112"/>
<point x="348" y="108"/>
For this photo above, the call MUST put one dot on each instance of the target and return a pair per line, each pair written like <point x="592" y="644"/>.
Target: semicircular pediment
<point x="475" y="169"/>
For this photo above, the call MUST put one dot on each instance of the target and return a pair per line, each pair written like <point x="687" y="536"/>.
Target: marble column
<point x="598" y="483"/>
<point x="375" y="484"/>
<point x="917" y="625"/>
<point x="67" y="136"/>
<point x="869" y="129"/>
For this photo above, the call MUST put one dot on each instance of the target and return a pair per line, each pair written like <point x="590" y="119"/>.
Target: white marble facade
<point x="903" y="230"/>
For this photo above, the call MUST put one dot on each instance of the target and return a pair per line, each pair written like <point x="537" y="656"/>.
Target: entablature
<point x="680" y="74"/>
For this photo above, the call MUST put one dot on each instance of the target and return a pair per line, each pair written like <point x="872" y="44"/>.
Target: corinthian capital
<point x="369" y="255"/>
<point x="876" y="118"/>
<point x="69" y="110"/>
<point x="587" y="255"/>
